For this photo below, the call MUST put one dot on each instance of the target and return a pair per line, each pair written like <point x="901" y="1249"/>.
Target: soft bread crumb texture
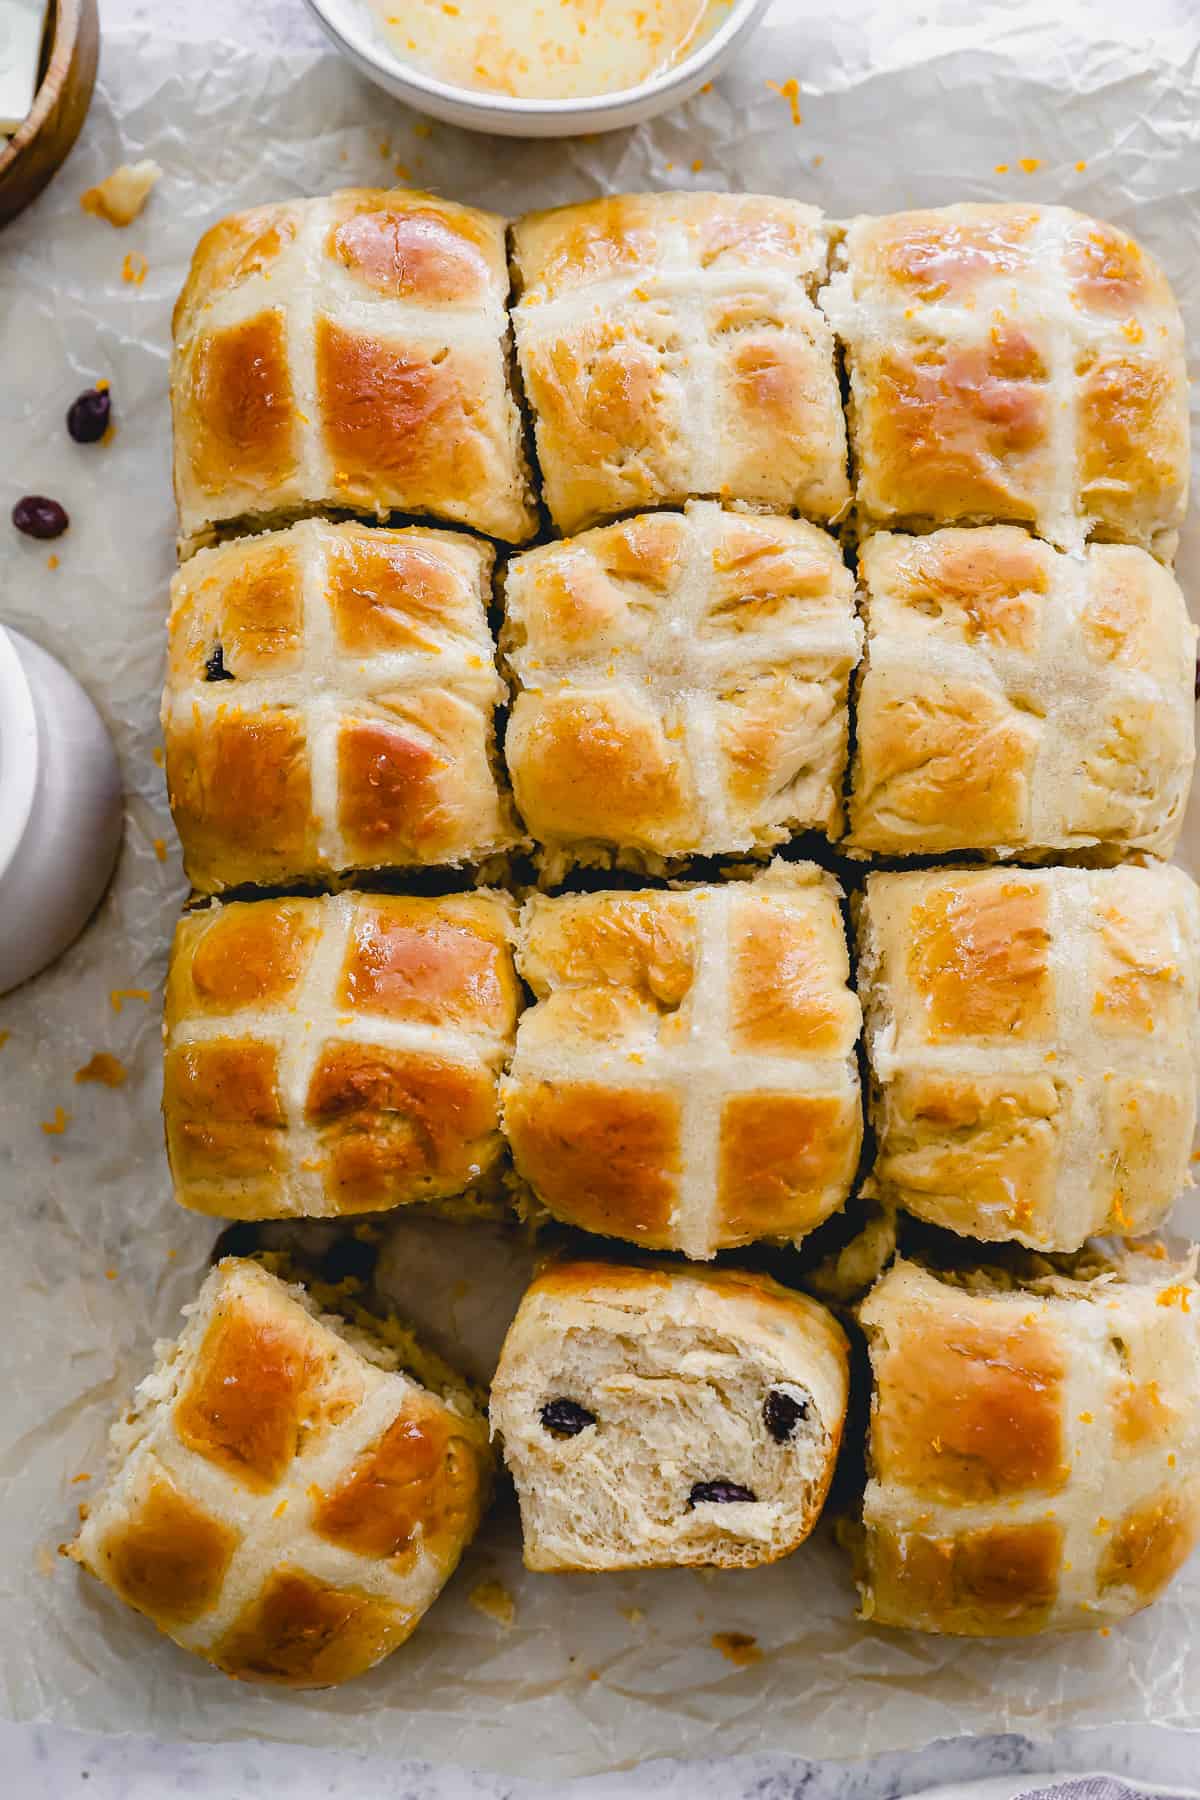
<point x="278" y="1503"/>
<point x="664" y="1453"/>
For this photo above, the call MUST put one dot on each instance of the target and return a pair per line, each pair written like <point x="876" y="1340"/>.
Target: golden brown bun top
<point x="1035" y="1447"/>
<point x="427" y="961"/>
<point x="283" y="1505"/>
<point x="775" y="1308"/>
<point x="570" y="247"/>
<point x="393" y="243"/>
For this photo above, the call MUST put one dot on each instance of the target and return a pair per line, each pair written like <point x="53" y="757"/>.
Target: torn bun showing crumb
<point x="655" y="1415"/>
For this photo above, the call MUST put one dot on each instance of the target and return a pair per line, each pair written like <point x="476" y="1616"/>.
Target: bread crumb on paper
<point x="493" y="1600"/>
<point x="133" y="269"/>
<point x="634" y="1614"/>
<point x="58" y="1124"/>
<point x="737" y="1647"/>
<point x="120" y="197"/>
<point x="160" y="848"/>
<point x="105" y="1068"/>
<point x="4" y="1037"/>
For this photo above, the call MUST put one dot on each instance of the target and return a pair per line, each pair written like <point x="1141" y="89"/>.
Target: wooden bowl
<point x="34" y="153"/>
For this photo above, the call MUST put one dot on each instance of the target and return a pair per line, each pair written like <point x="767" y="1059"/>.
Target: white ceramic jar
<point x="348" y="24"/>
<point x="60" y="809"/>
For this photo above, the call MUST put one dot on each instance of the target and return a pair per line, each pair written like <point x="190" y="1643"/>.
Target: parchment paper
<point x="596" y="1671"/>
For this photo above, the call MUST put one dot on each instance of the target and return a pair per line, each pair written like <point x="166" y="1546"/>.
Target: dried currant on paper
<point x="723" y="1491"/>
<point x="88" y="417"/>
<point x="40" y="517"/>
<point x="566" y="1418"/>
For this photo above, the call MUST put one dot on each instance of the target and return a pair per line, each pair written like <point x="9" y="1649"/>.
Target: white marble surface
<point x="41" y="1763"/>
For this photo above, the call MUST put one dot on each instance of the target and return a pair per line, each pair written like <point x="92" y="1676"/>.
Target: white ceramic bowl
<point x="60" y="809"/>
<point x="347" y="22"/>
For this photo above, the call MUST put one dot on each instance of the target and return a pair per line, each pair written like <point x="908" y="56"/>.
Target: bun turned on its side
<point x="284" y="1499"/>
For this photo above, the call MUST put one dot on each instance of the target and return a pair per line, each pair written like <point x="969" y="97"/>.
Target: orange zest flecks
<point x="157" y="754"/>
<point x="707" y="88"/>
<point x="789" y="90"/>
<point x="697" y="165"/>
<point x="422" y="128"/>
<point x="133" y="269"/>
<point x="118" y="996"/>
<point x="1029" y="165"/>
<point x="52" y="561"/>
<point x="58" y="1124"/>
<point x="1178" y="1294"/>
<point x="1000" y="169"/>
<point x="1080" y="167"/>
<point x="110" y="1274"/>
<point x="83" y="1475"/>
<point x="104" y="1068"/>
<point x="160" y="848"/>
<point x="1085" y="1418"/>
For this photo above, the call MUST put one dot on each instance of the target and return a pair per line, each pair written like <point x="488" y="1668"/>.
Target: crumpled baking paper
<point x="595" y="1672"/>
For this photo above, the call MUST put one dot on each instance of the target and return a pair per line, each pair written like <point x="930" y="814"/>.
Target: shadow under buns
<point x="283" y="1500"/>
<point x="329" y="706"/>
<point x="338" y="1055"/>
<point x="670" y="346"/>
<point x="1019" y="700"/>
<point x="348" y="352"/>
<point x="686" y="1079"/>
<point x="656" y="1415"/>
<point x="1034" y="1444"/>
<point x="1012" y="362"/>
<point x="1032" y="1039"/>
<point x="682" y="686"/>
